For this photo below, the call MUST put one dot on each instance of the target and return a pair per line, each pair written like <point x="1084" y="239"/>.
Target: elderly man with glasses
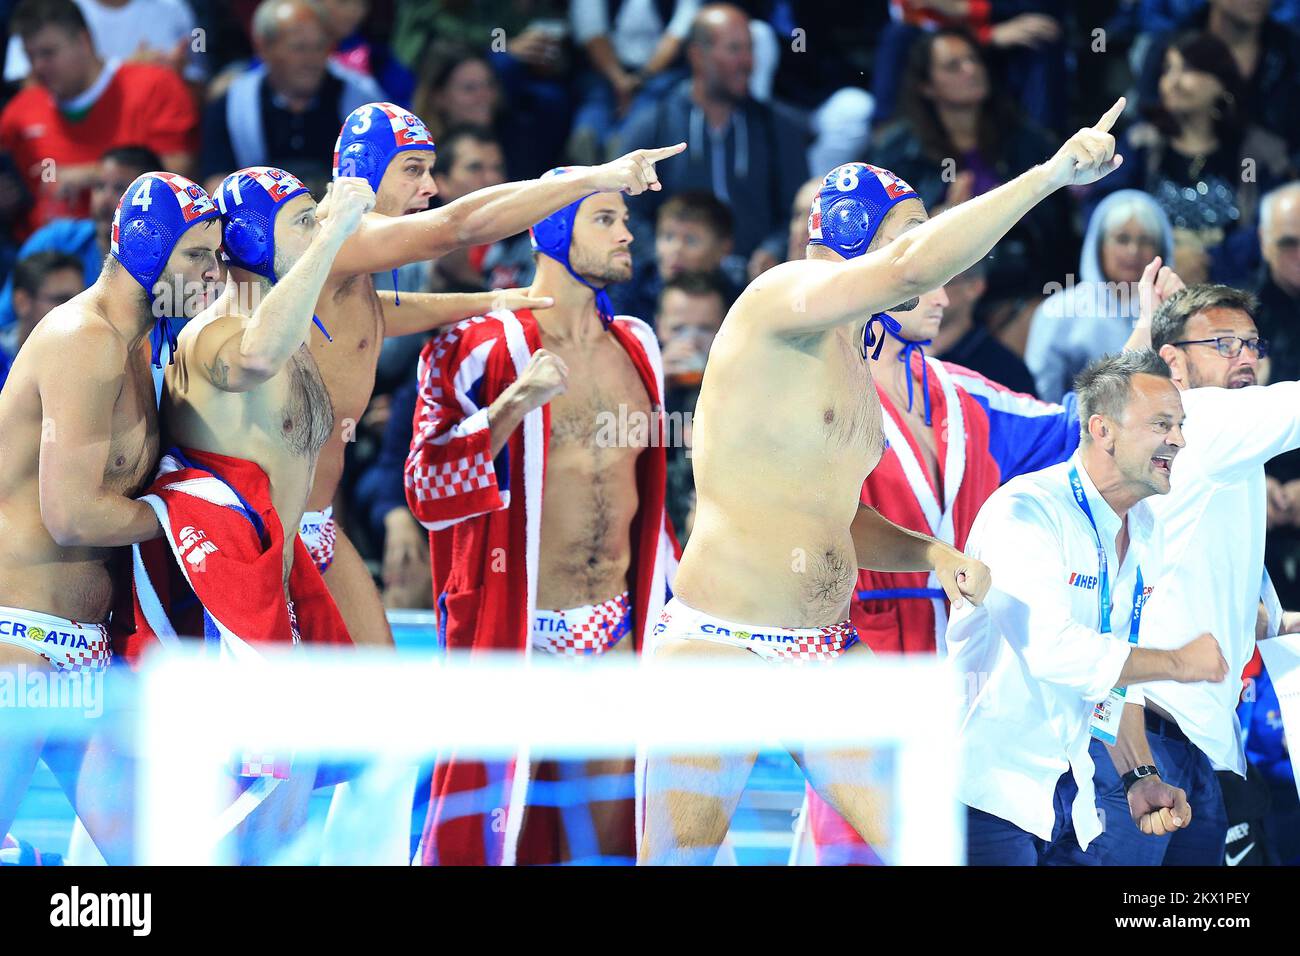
<point x="1213" y="578"/>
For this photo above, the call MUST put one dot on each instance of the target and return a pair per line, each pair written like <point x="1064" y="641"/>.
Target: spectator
<point x="460" y="86"/>
<point x="739" y="149"/>
<point x="1267" y="54"/>
<point x="356" y="50"/>
<point x="520" y="92"/>
<point x="287" y="110"/>
<point x="959" y="137"/>
<point x="1021" y="37"/>
<point x="690" y="312"/>
<point x="1279" y="289"/>
<point x="1093" y="315"/>
<point x="794" y="243"/>
<point x="461" y="90"/>
<point x="77" y="106"/>
<point x="692" y="234"/>
<point x="631" y="48"/>
<point x="1278" y="320"/>
<point x="40" y="282"/>
<point x="1193" y="153"/>
<point x="144" y="31"/>
<point x="88" y="239"/>
<point x="964" y="339"/>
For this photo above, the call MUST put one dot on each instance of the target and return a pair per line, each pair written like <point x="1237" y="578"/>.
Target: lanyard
<point x="1103" y="575"/>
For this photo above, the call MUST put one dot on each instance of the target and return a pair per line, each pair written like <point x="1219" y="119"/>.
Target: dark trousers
<point x="992" y="841"/>
<point x="1181" y="765"/>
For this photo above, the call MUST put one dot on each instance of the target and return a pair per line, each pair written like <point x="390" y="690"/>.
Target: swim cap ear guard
<point x="554" y="235"/>
<point x="846" y="214"/>
<point x="249" y="201"/>
<point x="152" y="215"/>
<point x="371" y="136"/>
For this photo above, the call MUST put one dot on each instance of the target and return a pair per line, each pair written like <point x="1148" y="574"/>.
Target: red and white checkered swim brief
<point x="776" y="644"/>
<point x="68" y="645"/>
<point x="592" y="629"/>
<point x="317" y="530"/>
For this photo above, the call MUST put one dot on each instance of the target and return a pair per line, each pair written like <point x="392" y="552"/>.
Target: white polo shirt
<point x="1033" y="657"/>
<point x="1213" y="522"/>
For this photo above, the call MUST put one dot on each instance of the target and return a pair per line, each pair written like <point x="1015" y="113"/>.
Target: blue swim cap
<point x="153" y="213"/>
<point x="372" y="135"/>
<point x="846" y="214"/>
<point x="249" y="200"/>
<point x="553" y="236"/>
<point x="852" y="203"/>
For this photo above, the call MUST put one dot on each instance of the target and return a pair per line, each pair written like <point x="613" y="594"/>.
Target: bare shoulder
<point x="774" y="294"/>
<point x="76" y="339"/>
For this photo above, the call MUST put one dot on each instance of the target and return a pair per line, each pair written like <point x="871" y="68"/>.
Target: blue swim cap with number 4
<point x="152" y="215"/>
<point x="850" y="206"/>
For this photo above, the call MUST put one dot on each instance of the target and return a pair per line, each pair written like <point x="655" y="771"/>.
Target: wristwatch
<point x="1136" y="774"/>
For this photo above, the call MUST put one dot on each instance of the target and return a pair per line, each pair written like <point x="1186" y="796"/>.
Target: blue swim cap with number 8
<point x="850" y="206"/>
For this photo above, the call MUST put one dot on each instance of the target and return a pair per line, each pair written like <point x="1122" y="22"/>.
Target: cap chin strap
<point x="162" y="331"/>
<point x="397" y="295"/>
<point x="869" y="337"/>
<point x="604" y="305"/>
<point x="910" y="346"/>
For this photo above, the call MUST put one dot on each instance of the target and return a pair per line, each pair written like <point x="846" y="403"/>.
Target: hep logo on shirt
<point x="1086" y="581"/>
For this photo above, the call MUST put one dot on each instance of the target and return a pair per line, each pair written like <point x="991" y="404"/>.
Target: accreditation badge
<point x="1106" y="716"/>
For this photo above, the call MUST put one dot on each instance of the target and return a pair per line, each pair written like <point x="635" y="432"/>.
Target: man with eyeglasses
<point x="1213" y="579"/>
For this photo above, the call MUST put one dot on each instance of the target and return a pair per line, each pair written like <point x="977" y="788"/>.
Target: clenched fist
<point x="545" y="377"/>
<point x="346" y="200"/>
<point x="1201" y="659"/>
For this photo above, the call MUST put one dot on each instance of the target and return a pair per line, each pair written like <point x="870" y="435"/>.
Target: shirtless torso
<point x="349" y="307"/>
<point x="280" y="425"/>
<point x="36" y="572"/>
<point x="777" y="485"/>
<point x="590" y="493"/>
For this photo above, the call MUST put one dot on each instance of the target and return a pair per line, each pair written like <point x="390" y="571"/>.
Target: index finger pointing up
<point x="663" y="152"/>
<point x="1107" y="120"/>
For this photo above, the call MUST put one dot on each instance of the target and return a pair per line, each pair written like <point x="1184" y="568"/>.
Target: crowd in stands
<point x="953" y="96"/>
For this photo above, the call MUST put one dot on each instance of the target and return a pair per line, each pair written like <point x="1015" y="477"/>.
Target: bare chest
<point x="347" y="364"/>
<point x="133" y="447"/>
<point x="605" y="407"/>
<point x="306" y="417"/>
<point x="852" y="422"/>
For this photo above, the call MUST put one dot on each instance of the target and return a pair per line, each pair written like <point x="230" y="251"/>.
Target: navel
<point x="828" y="416"/>
<point x="362" y="346"/>
<point x="121" y="460"/>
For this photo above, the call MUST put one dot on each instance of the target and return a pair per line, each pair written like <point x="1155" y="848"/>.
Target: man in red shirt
<point x="57" y="127"/>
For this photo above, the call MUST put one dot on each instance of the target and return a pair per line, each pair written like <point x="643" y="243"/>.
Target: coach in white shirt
<point x="1214" y="522"/>
<point x="1044" y="648"/>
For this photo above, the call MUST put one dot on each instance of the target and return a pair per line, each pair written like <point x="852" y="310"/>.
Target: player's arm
<point x="928" y="256"/>
<point x="882" y="545"/>
<point x="78" y="394"/>
<point x="491" y="214"/>
<point x="238" y="352"/>
<point x="424" y="311"/>
<point x="1157" y="807"/>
